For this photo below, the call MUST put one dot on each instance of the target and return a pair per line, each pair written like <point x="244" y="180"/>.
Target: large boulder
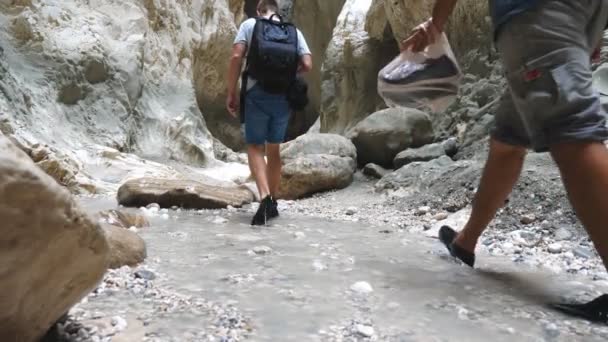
<point x="315" y="163"/>
<point x="315" y="143"/>
<point x="316" y="19"/>
<point x="210" y="65"/>
<point x="350" y="70"/>
<point x="182" y="193"/>
<point x="126" y="248"/>
<point x="52" y="253"/>
<point x="310" y="174"/>
<point x="426" y="153"/>
<point x="383" y="134"/>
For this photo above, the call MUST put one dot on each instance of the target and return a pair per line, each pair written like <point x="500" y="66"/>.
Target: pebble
<point x="153" y="206"/>
<point x="299" y="235"/>
<point x="362" y="287"/>
<point x="351" y="211"/>
<point x="555" y="248"/>
<point x="583" y="252"/>
<point x="219" y="220"/>
<point x="563" y="233"/>
<point x="145" y="274"/>
<point x="440" y="216"/>
<point x="365" y="330"/>
<point x="319" y="266"/>
<point x="262" y="250"/>
<point x="423" y="210"/>
<point x="528" y="219"/>
<point x="119" y="323"/>
<point x="551" y="330"/>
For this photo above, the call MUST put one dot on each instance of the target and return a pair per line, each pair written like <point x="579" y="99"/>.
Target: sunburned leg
<point x="500" y="174"/>
<point x="584" y="170"/>
<point x="257" y="165"/>
<point x="274" y="168"/>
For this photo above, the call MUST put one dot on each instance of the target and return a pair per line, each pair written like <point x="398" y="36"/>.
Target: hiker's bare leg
<point x="500" y="174"/>
<point x="257" y="165"/>
<point x="274" y="168"/>
<point x="584" y="170"/>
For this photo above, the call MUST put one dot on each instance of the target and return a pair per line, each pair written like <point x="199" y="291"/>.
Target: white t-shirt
<point x="245" y="35"/>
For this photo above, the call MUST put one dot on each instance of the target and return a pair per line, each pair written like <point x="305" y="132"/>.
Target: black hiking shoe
<point x="274" y="210"/>
<point x="447" y="236"/>
<point x="262" y="215"/>
<point x="594" y="311"/>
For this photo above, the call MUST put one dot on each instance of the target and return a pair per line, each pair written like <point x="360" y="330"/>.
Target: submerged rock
<point x="126" y="247"/>
<point x="52" y="253"/>
<point x="362" y="287"/>
<point x="124" y="219"/>
<point x="182" y="193"/>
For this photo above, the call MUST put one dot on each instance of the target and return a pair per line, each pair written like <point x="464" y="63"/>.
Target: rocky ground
<point x="528" y="231"/>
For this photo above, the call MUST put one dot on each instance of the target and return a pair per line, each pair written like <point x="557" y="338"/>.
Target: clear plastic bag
<point x="426" y="80"/>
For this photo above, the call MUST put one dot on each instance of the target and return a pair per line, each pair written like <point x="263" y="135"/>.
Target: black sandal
<point x="447" y="236"/>
<point x="594" y="311"/>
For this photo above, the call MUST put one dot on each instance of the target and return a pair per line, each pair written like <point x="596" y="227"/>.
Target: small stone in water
<point x="351" y="211"/>
<point x="299" y="235"/>
<point x="365" y="330"/>
<point x="145" y="274"/>
<point x="119" y="323"/>
<point x="219" y="220"/>
<point x="527" y="219"/>
<point x="583" y="252"/>
<point x="563" y="233"/>
<point x="423" y="210"/>
<point x="262" y="250"/>
<point x="362" y="287"/>
<point x="153" y="205"/>
<point x="555" y="248"/>
<point x="319" y="266"/>
<point x="440" y="216"/>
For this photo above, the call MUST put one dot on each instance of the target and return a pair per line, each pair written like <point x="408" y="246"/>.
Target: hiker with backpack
<point x="276" y="53"/>
<point x="550" y="106"/>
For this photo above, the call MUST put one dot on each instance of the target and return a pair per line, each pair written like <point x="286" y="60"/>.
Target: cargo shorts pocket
<point x="574" y="86"/>
<point x="535" y="92"/>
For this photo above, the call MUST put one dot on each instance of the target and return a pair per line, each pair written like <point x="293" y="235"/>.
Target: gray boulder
<point x="426" y="153"/>
<point x="383" y="134"/>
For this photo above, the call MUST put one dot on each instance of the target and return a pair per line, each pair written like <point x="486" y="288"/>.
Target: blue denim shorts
<point x="266" y="117"/>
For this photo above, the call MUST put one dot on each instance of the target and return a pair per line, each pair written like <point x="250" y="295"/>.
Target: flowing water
<point x="294" y="281"/>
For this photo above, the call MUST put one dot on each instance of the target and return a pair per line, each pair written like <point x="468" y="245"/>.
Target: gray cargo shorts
<point x="546" y="54"/>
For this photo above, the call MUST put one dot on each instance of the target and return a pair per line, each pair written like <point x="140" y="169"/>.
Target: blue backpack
<point x="273" y="58"/>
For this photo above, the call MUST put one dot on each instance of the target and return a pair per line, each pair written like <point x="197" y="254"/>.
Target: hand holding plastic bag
<point x="425" y="80"/>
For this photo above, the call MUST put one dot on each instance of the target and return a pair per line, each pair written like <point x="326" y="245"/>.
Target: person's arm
<point x="234" y="71"/>
<point x="305" y="64"/>
<point x="425" y="34"/>
<point x="441" y="13"/>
